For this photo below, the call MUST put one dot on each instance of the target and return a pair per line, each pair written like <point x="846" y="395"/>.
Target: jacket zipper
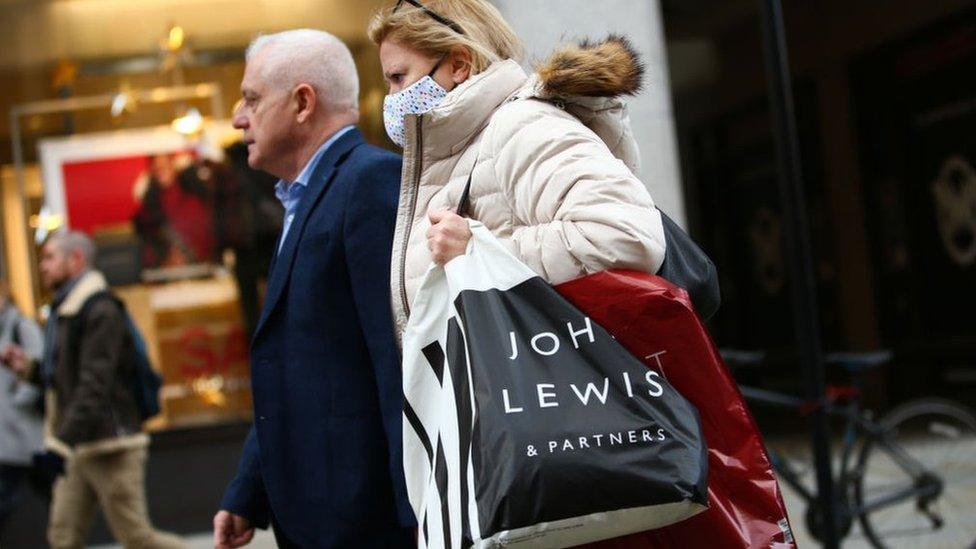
<point x="418" y="158"/>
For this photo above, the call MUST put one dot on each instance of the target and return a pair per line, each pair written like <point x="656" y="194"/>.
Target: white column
<point x="543" y="24"/>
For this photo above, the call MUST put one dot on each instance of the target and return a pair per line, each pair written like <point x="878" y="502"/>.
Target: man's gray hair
<point x="312" y="57"/>
<point x="71" y="241"/>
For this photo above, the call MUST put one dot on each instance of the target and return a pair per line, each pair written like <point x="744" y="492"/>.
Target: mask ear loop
<point x="436" y="65"/>
<point x="434" y="69"/>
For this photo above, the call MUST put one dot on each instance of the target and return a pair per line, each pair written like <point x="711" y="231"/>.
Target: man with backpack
<point x="90" y="367"/>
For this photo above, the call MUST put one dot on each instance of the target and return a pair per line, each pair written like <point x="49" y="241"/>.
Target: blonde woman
<point x="550" y="156"/>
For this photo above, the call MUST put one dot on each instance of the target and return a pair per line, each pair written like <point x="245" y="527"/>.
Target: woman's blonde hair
<point x="486" y="35"/>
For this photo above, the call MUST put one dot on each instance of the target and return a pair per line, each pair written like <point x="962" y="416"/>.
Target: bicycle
<point x="913" y="480"/>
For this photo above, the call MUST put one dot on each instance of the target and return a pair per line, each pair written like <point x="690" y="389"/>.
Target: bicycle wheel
<point x="926" y="442"/>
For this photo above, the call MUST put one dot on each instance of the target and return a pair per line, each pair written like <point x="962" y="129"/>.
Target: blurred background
<point x="116" y="123"/>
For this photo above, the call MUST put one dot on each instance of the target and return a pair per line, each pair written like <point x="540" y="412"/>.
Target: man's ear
<point x="305" y="102"/>
<point x="76" y="261"/>
<point x="460" y="60"/>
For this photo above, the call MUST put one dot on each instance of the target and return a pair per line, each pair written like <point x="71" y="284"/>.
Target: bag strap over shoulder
<point x="464" y="203"/>
<point x="11" y="330"/>
<point x="685" y="263"/>
<point x="18" y="325"/>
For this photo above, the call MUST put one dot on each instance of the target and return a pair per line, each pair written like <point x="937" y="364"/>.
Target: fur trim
<point x="91" y="283"/>
<point x="55" y="445"/>
<point x="607" y="68"/>
<point x="110" y="445"/>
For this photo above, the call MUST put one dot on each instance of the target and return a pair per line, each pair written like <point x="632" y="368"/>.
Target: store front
<point x="119" y="127"/>
<point x="884" y="101"/>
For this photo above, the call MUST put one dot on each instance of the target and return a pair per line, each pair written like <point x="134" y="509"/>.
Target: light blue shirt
<point x="290" y="194"/>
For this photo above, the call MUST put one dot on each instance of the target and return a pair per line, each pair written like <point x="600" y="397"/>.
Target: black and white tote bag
<point x="526" y="424"/>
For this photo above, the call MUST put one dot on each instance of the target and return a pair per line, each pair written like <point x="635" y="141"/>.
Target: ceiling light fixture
<point x="190" y="123"/>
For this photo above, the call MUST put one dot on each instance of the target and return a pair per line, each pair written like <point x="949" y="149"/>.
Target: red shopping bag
<point x="655" y="321"/>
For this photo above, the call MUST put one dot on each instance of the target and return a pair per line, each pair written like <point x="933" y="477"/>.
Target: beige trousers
<point x="116" y="482"/>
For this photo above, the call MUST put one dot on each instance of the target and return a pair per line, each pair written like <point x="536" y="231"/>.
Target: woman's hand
<point x="448" y="235"/>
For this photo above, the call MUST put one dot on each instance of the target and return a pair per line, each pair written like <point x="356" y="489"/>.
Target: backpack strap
<point x="76" y="326"/>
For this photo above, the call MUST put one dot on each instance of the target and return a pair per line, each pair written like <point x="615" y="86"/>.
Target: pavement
<point x="263" y="539"/>
<point x="959" y="508"/>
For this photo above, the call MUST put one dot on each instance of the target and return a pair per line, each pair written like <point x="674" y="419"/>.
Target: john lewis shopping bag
<point x="527" y="424"/>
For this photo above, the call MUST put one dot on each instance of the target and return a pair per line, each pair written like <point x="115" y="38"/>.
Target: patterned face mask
<point x="418" y="98"/>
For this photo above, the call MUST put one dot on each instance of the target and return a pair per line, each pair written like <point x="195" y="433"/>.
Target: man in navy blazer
<point x="322" y="463"/>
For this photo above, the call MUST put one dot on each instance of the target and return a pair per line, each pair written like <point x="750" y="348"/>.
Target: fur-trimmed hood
<point x="608" y="68"/>
<point x="591" y="80"/>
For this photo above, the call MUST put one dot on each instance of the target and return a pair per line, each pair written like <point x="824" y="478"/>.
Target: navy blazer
<point x="323" y="458"/>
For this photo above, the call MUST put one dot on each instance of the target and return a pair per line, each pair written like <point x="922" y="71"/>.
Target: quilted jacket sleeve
<point x="578" y="209"/>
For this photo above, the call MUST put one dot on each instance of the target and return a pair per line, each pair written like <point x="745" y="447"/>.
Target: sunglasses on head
<point x="435" y="16"/>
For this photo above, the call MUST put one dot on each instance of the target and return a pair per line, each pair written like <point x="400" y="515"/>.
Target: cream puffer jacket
<point x="552" y="160"/>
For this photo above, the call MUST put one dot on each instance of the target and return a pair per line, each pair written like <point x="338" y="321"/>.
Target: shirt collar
<point x="281" y="188"/>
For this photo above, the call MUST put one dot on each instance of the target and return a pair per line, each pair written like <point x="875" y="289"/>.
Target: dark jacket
<point x="324" y="456"/>
<point x="91" y="401"/>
